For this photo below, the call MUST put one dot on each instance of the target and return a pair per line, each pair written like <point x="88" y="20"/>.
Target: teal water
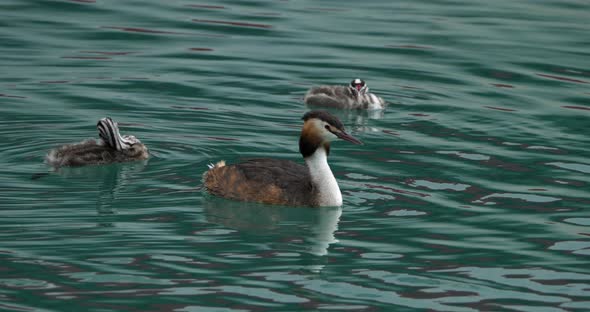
<point x="471" y="192"/>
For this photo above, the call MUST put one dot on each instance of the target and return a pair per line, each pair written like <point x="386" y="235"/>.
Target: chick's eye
<point x="327" y="127"/>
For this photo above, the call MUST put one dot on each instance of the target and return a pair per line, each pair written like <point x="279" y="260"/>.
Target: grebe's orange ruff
<point x="283" y="182"/>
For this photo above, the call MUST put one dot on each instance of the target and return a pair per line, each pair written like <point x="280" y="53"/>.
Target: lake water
<point x="471" y="192"/>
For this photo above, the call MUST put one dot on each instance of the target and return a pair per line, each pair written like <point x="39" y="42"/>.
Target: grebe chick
<point x="283" y="182"/>
<point x="110" y="149"/>
<point x="354" y="96"/>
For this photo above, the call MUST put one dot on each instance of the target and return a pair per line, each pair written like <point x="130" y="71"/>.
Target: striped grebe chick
<point x="354" y="96"/>
<point x="283" y="182"/>
<point x="111" y="148"/>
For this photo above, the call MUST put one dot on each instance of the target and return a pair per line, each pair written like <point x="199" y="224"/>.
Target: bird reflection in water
<point x="312" y="227"/>
<point x="110" y="180"/>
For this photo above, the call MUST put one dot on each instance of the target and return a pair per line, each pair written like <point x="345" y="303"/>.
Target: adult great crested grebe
<point x="283" y="182"/>
<point x="354" y="96"/>
<point x="110" y="149"/>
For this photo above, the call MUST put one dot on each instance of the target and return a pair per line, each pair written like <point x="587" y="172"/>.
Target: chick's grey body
<point x="110" y="149"/>
<point x="354" y="96"/>
<point x="92" y="152"/>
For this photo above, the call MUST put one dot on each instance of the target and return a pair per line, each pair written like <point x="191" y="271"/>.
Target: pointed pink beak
<point x="347" y="137"/>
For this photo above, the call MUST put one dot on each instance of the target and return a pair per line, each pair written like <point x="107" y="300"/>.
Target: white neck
<point x="323" y="180"/>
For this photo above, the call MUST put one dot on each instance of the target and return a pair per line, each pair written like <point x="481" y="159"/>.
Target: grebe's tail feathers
<point x="220" y="163"/>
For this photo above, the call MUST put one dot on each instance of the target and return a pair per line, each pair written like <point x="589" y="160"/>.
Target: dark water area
<point x="471" y="192"/>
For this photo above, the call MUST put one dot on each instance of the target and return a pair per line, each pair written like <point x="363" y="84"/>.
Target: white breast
<point x="323" y="179"/>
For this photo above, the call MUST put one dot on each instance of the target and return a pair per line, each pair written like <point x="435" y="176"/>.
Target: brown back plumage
<point x="269" y="181"/>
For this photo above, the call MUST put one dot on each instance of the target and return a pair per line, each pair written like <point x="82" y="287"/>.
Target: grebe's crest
<point x="108" y="130"/>
<point x="327" y="119"/>
<point x="359" y="86"/>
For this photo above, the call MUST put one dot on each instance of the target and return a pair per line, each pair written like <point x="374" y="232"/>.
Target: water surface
<point x="470" y="193"/>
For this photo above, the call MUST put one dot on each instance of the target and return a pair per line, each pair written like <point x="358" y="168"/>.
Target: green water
<point x="470" y="193"/>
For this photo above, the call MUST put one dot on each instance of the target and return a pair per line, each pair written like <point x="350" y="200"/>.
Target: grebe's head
<point x="108" y="130"/>
<point x="359" y="86"/>
<point x="319" y="129"/>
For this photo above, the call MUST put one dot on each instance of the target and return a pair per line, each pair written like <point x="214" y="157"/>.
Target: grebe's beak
<point x="347" y="137"/>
